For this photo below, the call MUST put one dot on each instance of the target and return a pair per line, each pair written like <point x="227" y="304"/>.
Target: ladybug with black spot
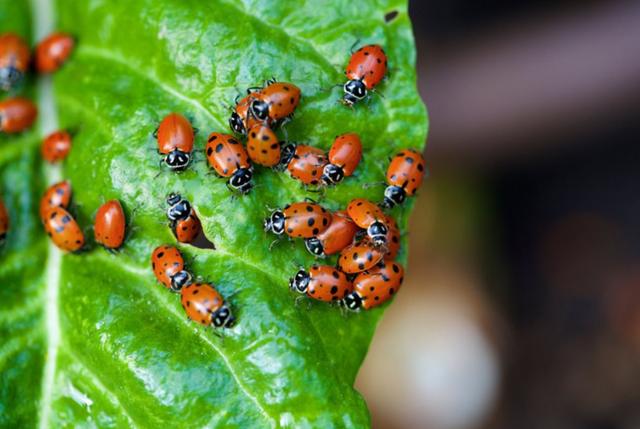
<point x="204" y="305"/>
<point x="109" y="226"/>
<point x="263" y="145"/>
<point x="14" y="60"/>
<point x="376" y="286"/>
<point x="229" y="159"/>
<point x="359" y="257"/>
<point x="370" y="217"/>
<point x="56" y="195"/>
<point x="304" y="163"/>
<point x="175" y="137"/>
<point x="299" y="220"/>
<point x="17" y="114"/>
<point x="56" y="146"/>
<point x="366" y="68"/>
<point x="340" y="234"/>
<point x="404" y="177"/>
<point x="184" y="221"/>
<point x="53" y="51"/>
<point x="63" y="230"/>
<point x="240" y="120"/>
<point x="321" y="282"/>
<point x="344" y="157"/>
<point x="275" y="102"/>
<point x="169" y="268"/>
<point x="4" y="222"/>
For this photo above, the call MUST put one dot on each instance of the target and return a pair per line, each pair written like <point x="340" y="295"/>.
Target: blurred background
<point x="522" y="304"/>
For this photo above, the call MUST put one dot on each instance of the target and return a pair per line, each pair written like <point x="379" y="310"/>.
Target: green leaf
<point x="91" y="340"/>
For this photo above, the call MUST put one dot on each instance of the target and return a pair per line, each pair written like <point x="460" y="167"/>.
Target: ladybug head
<point x="241" y="180"/>
<point x="177" y="160"/>
<point x="286" y="154"/>
<point x="377" y="231"/>
<point x="260" y="109"/>
<point x="9" y="77"/>
<point x="275" y="222"/>
<point x="236" y="124"/>
<point x="393" y="195"/>
<point x="180" y="279"/>
<point x="300" y="282"/>
<point x="354" y="91"/>
<point x="179" y="208"/>
<point x="314" y="246"/>
<point x="223" y="318"/>
<point x="352" y="301"/>
<point x="332" y="174"/>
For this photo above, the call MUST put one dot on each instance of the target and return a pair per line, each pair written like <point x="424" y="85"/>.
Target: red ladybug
<point x="110" y="224"/>
<point x="404" y="177"/>
<point x="53" y="51"/>
<point x="204" y="304"/>
<point x="56" y="146"/>
<point x="375" y="286"/>
<point x="305" y="163"/>
<point x="339" y="235"/>
<point x="370" y="217"/>
<point x="240" y="120"/>
<point x="63" y="229"/>
<point x="168" y="266"/>
<point x="301" y="220"/>
<point x="321" y="282"/>
<point x="359" y="257"/>
<point x="229" y="159"/>
<point x="14" y="60"/>
<point x="56" y="195"/>
<point x="184" y="221"/>
<point x="4" y="223"/>
<point x="17" y="114"/>
<point x="344" y="157"/>
<point x="276" y="101"/>
<point x="263" y="145"/>
<point x="175" y="141"/>
<point x="366" y="68"/>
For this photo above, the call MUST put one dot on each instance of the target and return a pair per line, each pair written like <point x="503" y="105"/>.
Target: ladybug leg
<point x="352" y="49"/>
<point x="273" y="243"/>
<point x="310" y="200"/>
<point x="254" y="89"/>
<point x="371" y="185"/>
<point x="155" y="133"/>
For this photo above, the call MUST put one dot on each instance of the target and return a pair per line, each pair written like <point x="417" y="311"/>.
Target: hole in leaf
<point x="390" y="16"/>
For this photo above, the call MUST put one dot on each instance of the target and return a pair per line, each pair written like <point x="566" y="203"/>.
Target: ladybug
<point x="404" y="177"/>
<point x="175" y="140"/>
<point x="276" y="101"/>
<point x="302" y="220"/>
<point x="56" y="195"/>
<point x="4" y="223"/>
<point x="393" y="238"/>
<point x="305" y="163"/>
<point x="63" y="229"/>
<point x="366" y="68"/>
<point x="370" y="217"/>
<point x="185" y="223"/>
<point x="340" y="234"/>
<point x="344" y="157"/>
<point x="240" y="120"/>
<point x="14" y="60"/>
<point x="168" y="266"/>
<point x="359" y="257"/>
<point x="53" y="51"/>
<point x="375" y="286"/>
<point x="17" y="114"/>
<point x="263" y="145"/>
<point x="229" y="158"/>
<point x="321" y="282"/>
<point x="204" y="304"/>
<point x="56" y="146"/>
<point x="109" y="226"/>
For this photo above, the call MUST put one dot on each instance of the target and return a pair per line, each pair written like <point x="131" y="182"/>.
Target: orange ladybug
<point x="302" y="220"/>
<point x="366" y="68"/>
<point x="175" y="140"/>
<point x="359" y="257"/>
<point x="370" y="217"/>
<point x="53" y="51"/>
<point x="14" y="60"/>
<point x="56" y="146"/>
<point x="56" y="195"/>
<point x="240" y="120"/>
<point x="17" y="114"/>
<point x="204" y="304"/>
<point x="184" y="221"/>
<point x="375" y="286"/>
<point x="344" y="157"/>
<point x="263" y="145"/>
<point x="63" y="229"/>
<point x="341" y="233"/>
<point x="305" y="163"/>
<point x="393" y="238"/>
<point x="110" y="224"/>
<point x="404" y="177"/>
<point x="4" y="223"/>
<point x="229" y="159"/>
<point x="276" y="101"/>
<point x="168" y="266"/>
<point x="321" y="282"/>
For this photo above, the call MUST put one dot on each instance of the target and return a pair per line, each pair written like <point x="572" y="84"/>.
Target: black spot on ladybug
<point x="188" y="303"/>
<point x="391" y="291"/>
<point x="311" y="221"/>
<point x="378" y="60"/>
<point x="377" y="298"/>
<point x="209" y="151"/>
<point x="292" y="100"/>
<point x="184" y="228"/>
<point x="355" y="256"/>
<point x="195" y="292"/>
<point x="359" y="203"/>
<point x="372" y="288"/>
<point x="366" y="52"/>
<point x="335" y="274"/>
<point x="53" y="215"/>
<point x="286" y="88"/>
<point x="233" y="141"/>
<point x="334" y="290"/>
<point x="314" y="182"/>
<point x="309" y="209"/>
<point x="325" y="221"/>
<point x="290" y="230"/>
<point x="394" y="238"/>
<point x="212" y="138"/>
<point x="265" y="138"/>
<point x="369" y="256"/>
<point x="153" y="265"/>
<point x="396" y="269"/>
<point x="316" y="231"/>
<point x="274" y="146"/>
<point x="219" y="147"/>
<point x="385" y="278"/>
<point x="420" y="167"/>
<point x="264" y="151"/>
<point x="361" y="266"/>
<point x="253" y="134"/>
